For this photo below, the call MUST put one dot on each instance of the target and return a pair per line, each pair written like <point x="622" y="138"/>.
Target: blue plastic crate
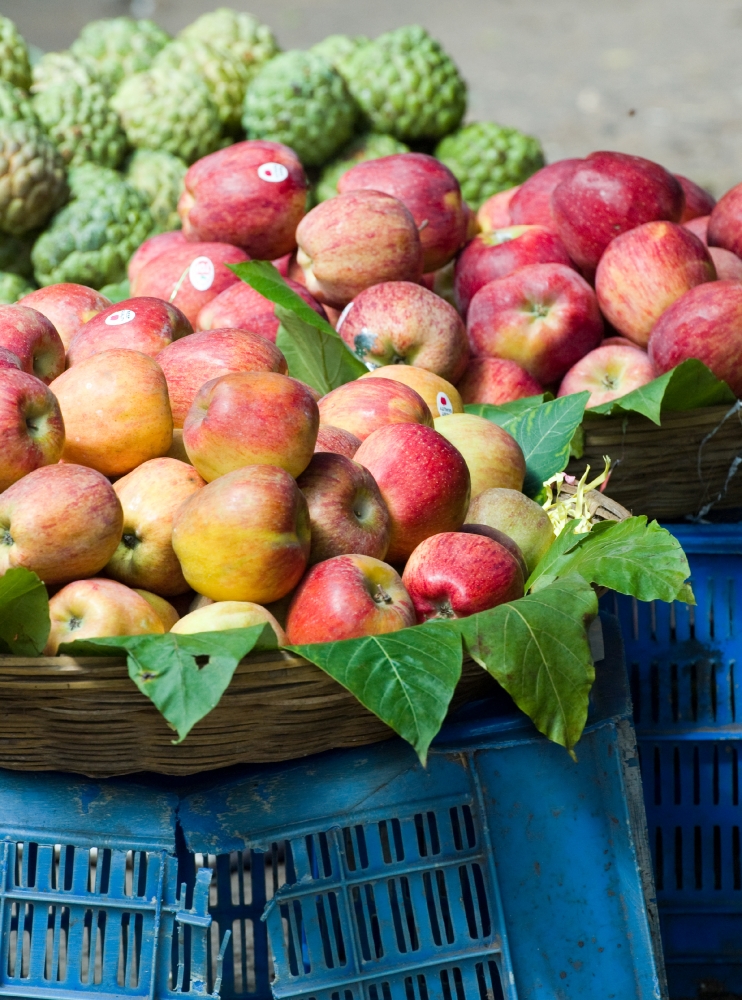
<point x="685" y="666"/>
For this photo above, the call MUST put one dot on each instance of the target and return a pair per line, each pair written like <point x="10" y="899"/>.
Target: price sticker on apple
<point x="120" y="317"/>
<point x="201" y="273"/>
<point x="444" y="404"/>
<point x="274" y="173"/>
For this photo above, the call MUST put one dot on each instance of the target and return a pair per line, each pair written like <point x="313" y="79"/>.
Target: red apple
<point x="608" y="194"/>
<point x="346" y="511"/>
<point x="152" y="248"/>
<point x="94" y="609"/>
<point x="31" y="426"/>
<point x="607" y="373"/>
<point x="142" y="324"/>
<point x="9" y="360"/>
<point x="423" y="479"/>
<point x="363" y="406"/>
<point x="532" y="204"/>
<point x="189" y="275"/>
<point x="643" y="271"/>
<point x="398" y="322"/>
<point x="357" y="240"/>
<point x="517" y="516"/>
<point x="495" y="212"/>
<point x="698" y="202"/>
<point x="29" y="335"/>
<point x="620" y="342"/>
<point x="428" y="189"/>
<point x="456" y="574"/>
<point x="251" y="194"/>
<point x="191" y="361"/>
<point x="502" y="539"/>
<point x="336" y="441"/>
<point x="728" y="265"/>
<point x="725" y="222"/>
<point x="496" y="381"/>
<point x="699" y="227"/>
<point x="347" y="597"/>
<point x="499" y="253"/>
<point x="67" y="306"/>
<point x="705" y="323"/>
<point x="544" y="316"/>
<point x="242" y="307"/>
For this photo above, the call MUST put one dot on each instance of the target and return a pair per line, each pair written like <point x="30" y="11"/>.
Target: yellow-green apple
<point x="150" y="495"/>
<point x="189" y="275"/>
<point x="244" y="308"/>
<point x="456" y="574"/>
<point x="336" y="440"/>
<point x="347" y="597"/>
<point x="518" y="517"/>
<point x="728" y="265"/>
<point x="398" y="322"/>
<point x="643" y="271"/>
<point x="29" y="335"/>
<point x="493" y="456"/>
<point x="244" y="537"/>
<point x="501" y="252"/>
<point x="9" y="360"/>
<point x="438" y="393"/>
<point x="608" y="372"/>
<point x="495" y="212"/>
<point x="191" y="361"/>
<point x="218" y="616"/>
<point x="354" y="241"/>
<point x="502" y="539"/>
<point x="531" y="205"/>
<point x="699" y="227"/>
<point x="428" y="189"/>
<point x="423" y="479"/>
<point x="251" y="418"/>
<point x="698" y="202"/>
<point x="496" y="381"/>
<point x="31" y="426"/>
<point x="152" y="248"/>
<point x="61" y="521"/>
<point x="67" y="306"/>
<point x="346" y="511"/>
<point x="116" y="411"/>
<point x="725" y="221"/>
<point x="705" y="323"/>
<point x="95" y="609"/>
<point x="364" y="405"/>
<point x="163" y="609"/>
<point x="251" y="194"/>
<point x="545" y="317"/>
<point x="142" y="324"/>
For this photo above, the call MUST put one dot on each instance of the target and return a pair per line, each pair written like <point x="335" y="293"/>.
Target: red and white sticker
<point x="201" y="273"/>
<point x="444" y="404"/>
<point x="272" y="172"/>
<point x="120" y="317"/>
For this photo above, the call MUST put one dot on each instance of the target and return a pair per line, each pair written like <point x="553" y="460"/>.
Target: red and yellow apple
<point x="67" y="306"/>
<point x="94" y="609"/>
<point x="218" y="616"/>
<point x="494" y="213"/>
<point x="163" y="609"/>
<point x="496" y="381"/>
<point x="152" y="248"/>
<point x="608" y="372"/>
<point x="364" y="405"/>
<point x="31" y="426"/>
<point x="531" y="206"/>
<point x="142" y="324"/>
<point x="29" y="335"/>
<point x="244" y="308"/>
<point x="336" y="440"/>
<point x="441" y="396"/>
<point x="698" y="202"/>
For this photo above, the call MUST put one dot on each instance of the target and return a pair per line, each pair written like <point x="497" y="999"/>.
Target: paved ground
<point x="661" y="78"/>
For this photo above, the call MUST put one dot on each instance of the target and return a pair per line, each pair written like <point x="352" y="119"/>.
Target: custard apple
<point x="173" y="111"/>
<point x="335" y="49"/>
<point x="370" y="146"/>
<point x="81" y="124"/>
<point x="15" y="66"/>
<point x="15" y="104"/>
<point x="12" y="288"/>
<point x="487" y="158"/>
<point x="91" y="180"/>
<point x="32" y="178"/>
<point x="159" y="177"/>
<point x="225" y="76"/>
<point x="240" y="34"/>
<point x="120" y="46"/>
<point x="300" y="100"/>
<point x="406" y="85"/>
<point x="15" y="254"/>
<point x="59" y="67"/>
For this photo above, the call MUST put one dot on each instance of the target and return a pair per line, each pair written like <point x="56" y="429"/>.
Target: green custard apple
<point x="238" y="33"/>
<point x="120" y="46"/>
<point x="80" y="122"/>
<point x="60" y="67"/>
<point x="33" y="181"/>
<point x="369" y="146"/>
<point x="336" y="49"/>
<point x="225" y="76"/>
<point x="158" y="177"/>
<point x="12" y="288"/>
<point x="15" y="104"/>
<point x="15" y="66"/>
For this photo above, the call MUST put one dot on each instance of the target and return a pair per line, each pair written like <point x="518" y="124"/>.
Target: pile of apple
<point x="157" y="453"/>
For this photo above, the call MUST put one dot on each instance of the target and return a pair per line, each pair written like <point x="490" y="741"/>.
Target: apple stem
<point x="6" y="538"/>
<point x="380" y="595"/>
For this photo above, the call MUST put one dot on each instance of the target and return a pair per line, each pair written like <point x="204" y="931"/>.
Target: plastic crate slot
<point x="403" y="916"/>
<point x="698" y="857"/>
<point x="659" y="860"/>
<point x="489" y="981"/>
<point x="475" y="901"/>
<point x="379" y="991"/>
<point x="678" y="857"/>
<point x="436" y="897"/>
<point x="416" y="988"/>
<point x="736" y="859"/>
<point x="331" y="937"/>
<point x="367" y="921"/>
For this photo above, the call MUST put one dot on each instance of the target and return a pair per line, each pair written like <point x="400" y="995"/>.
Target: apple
<point x="697" y="201"/>
<point x="31" y="426"/>
<point x="242" y="307"/>
<point x="621" y="342"/>
<point x="67" y="306"/>
<point x="244" y="537"/>
<point x="364" y="405"/>
<point x="336" y="441"/>
<point x="608" y="372"/>
<point x="440" y="395"/>
<point x="725" y="221"/>
<point x="496" y="381"/>
<point x="9" y="360"/>
<point x="494" y="255"/>
<point x="281" y="264"/>
<point x="495" y="212"/>
<point x="251" y="418"/>
<point x="728" y="265"/>
<point x="346" y="511"/>
<point x="518" y="517"/>
<point x="152" y="248"/>
<point x="29" y="335"/>
<point x="398" y="322"/>
<point x="163" y="609"/>
<point x="502" y="539"/>
<point x="189" y="275"/>
<point x="251" y="194"/>
<point x="643" y="271"/>
<point x="190" y="362"/>
<point x="608" y="194"/>
<point x="218" y="616"/>
<point x="177" y="448"/>
<point x="347" y="597"/>
<point x="94" y="609"/>
<point x="456" y="574"/>
<point x="150" y="495"/>
<point x="141" y="324"/>
<point x="422" y="477"/>
<point x="699" y="227"/>
<point x="705" y="323"/>
<point x="428" y="189"/>
<point x="531" y="206"/>
<point x="354" y="241"/>
<point x="199" y="601"/>
<point x="545" y="317"/>
<point x="493" y="456"/>
<point x="116" y="411"/>
<point x="61" y="521"/>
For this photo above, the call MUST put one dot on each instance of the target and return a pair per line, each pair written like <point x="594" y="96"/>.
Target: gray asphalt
<point x="659" y="78"/>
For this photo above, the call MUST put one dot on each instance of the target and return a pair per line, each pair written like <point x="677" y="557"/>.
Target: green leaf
<point x="318" y="358"/>
<point x="184" y="676"/>
<point x="537" y="649"/>
<point x="265" y="278"/>
<point x="505" y="413"/>
<point x="24" y="613"/>
<point x="406" y="678"/>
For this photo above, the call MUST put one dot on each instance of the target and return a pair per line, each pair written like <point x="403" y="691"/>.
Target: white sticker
<point x="444" y="404"/>
<point x="273" y="172"/>
<point x="120" y="317"/>
<point x="342" y="316"/>
<point x="201" y="273"/>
